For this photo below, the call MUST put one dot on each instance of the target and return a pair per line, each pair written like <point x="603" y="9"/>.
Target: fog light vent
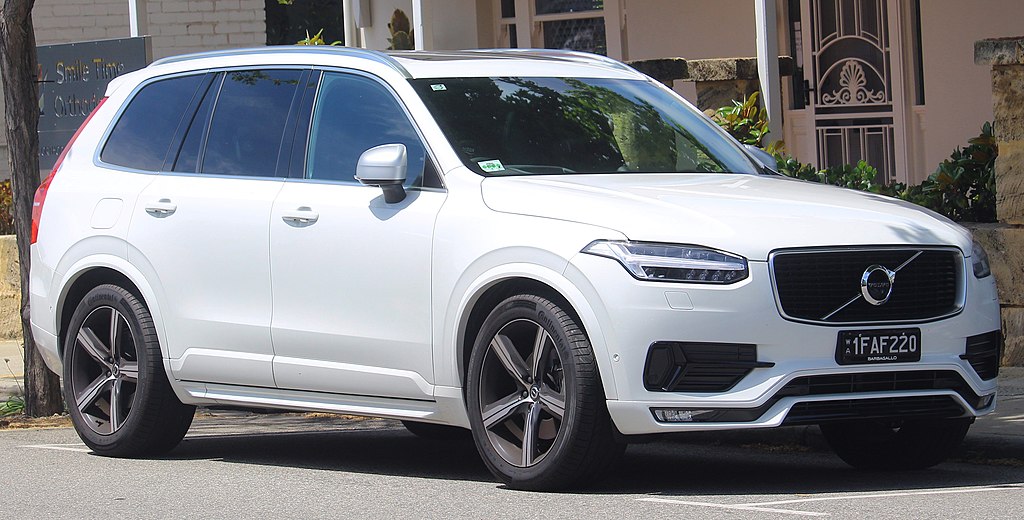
<point x="682" y="415"/>
<point x="698" y="367"/>
<point x="983" y="353"/>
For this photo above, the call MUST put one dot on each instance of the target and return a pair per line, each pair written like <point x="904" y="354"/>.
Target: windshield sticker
<point x="491" y="166"/>
<point x="437" y="87"/>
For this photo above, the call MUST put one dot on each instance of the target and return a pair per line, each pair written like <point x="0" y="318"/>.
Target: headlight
<point x="672" y="263"/>
<point x="979" y="259"/>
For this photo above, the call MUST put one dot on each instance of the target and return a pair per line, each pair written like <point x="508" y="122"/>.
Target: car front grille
<point x="824" y="286"/>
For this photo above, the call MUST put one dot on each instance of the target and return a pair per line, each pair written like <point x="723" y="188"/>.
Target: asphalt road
<point x="260" y="467"/>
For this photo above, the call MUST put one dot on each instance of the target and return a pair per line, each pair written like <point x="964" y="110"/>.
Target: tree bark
<point x="21" y="100"/>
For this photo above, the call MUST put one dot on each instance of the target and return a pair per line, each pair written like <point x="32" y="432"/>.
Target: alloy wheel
<point x="522" y="393"/>
<point x="105" y="370"/>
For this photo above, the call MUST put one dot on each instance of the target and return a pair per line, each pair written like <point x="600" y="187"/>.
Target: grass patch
<point x="13" y="405"/>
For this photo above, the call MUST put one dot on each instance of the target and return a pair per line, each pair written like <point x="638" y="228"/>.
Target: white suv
<point x="545" y="247"/>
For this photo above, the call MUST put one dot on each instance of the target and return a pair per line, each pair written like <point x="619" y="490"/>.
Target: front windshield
<point x="521" y="126"/>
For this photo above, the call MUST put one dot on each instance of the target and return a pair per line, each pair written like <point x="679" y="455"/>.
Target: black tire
<point x="128" y="379"/>
<point x="436" y="432"/>
<point x="895" y="445"/>
<point x="568" y="451"/>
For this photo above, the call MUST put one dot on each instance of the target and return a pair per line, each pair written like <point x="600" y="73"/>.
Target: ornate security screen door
<point x="856" y="99"/>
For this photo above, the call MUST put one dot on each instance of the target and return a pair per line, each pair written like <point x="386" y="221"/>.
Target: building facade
<point x="889" y="81"/>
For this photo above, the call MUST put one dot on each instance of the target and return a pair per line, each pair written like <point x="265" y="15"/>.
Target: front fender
<point x="548" y="273"/>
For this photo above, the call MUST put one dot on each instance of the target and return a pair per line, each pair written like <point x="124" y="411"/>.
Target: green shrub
<point x="747" y="122"/>
<point x="963" y="187"/>
<point x="316" y="39"/>
<point x="744" y="120"/>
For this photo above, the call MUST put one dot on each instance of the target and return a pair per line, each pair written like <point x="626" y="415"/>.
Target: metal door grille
<point x="853" y="93"/>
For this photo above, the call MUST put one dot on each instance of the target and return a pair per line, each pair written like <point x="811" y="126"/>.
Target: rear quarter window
<point x="142" y="135"/>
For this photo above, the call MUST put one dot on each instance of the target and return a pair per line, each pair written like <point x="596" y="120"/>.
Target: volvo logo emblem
<point x="876" y="284"/>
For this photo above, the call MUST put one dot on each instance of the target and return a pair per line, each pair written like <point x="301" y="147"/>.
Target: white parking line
<point x="764" y="506"/>
<point x="983" y="489"/>
<point x="59" y="447"/>
<point x="740" y="507"/>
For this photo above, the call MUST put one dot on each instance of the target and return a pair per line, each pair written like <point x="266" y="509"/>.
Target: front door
<point x="351" y="273"/>
<point x="853" y="66"/>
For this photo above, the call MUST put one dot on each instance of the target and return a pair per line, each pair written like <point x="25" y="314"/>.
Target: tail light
<point x="40" y="197"/>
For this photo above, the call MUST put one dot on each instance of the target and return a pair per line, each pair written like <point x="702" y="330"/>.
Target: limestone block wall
<point x="1005" y="241"/>
<point x="10" y="289"/>
<point x="718" y="81"/>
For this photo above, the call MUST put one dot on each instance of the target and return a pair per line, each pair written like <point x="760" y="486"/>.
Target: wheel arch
<point x="490" y="291"/>
<point x="90" y="273"/>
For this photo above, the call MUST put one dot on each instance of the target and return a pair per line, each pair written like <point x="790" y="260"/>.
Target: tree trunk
<point x="21" y="100"/>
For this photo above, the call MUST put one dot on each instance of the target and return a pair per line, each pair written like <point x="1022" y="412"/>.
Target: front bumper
<point x="635" y="314"/>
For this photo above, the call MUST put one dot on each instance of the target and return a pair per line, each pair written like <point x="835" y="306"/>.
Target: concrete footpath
<point x="997" y="436"/>
<point x="12" y="368"/>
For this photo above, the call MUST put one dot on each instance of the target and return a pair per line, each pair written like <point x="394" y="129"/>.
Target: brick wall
<point x="176" y="27"/>
<point x="180" y="27"/>
<point x="63" y="21"/>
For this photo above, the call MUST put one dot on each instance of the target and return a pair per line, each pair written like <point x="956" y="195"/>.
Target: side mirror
<point x="766" y="159"/>
<point x="384" y="166"/>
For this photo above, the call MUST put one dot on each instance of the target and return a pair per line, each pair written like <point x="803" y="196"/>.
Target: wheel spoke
<point x="499" y="411"/>
<point x="510" y="359"/>
<point x="130" y="371"/>
<point x="530" y="427"/>
<point x="94" y="346"/>
<point x="88" y="396"/>
<point x="552" y="401"/>
<point x="115" y="326"/>
<point x="539" y="346"/>
<point x="115" y="405"/>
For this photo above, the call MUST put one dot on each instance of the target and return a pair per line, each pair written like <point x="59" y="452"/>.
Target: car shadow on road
<point x="672" y="467"/>
<point x="680" y="468"/>
<point x="376" y="451"/>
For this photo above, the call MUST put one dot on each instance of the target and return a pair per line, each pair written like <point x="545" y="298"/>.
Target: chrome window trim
<point x="961" y="296"/>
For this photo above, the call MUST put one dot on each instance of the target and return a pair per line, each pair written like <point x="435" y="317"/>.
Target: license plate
<point x="858" y="347"/>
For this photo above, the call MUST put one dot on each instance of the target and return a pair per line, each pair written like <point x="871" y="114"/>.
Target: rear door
<point x="201" y="228"/>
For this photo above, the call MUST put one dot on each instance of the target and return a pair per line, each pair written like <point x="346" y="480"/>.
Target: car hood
<point x="750" y="215"/>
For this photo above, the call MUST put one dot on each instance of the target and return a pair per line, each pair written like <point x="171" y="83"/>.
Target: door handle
<point x="161" y="208"/>
<point x="302" y="216"/>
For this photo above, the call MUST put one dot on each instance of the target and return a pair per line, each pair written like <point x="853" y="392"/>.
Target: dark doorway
<point x="287" y="24"/>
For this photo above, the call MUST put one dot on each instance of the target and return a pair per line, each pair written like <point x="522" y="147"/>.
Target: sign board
<point x="72" y="79"/>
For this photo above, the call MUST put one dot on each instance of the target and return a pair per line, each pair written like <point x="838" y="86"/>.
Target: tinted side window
<point x="191" y="146"/>
<point x="352" y="115"/>
<point x="248" y="122"/>
<point x="143" y="134"/>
